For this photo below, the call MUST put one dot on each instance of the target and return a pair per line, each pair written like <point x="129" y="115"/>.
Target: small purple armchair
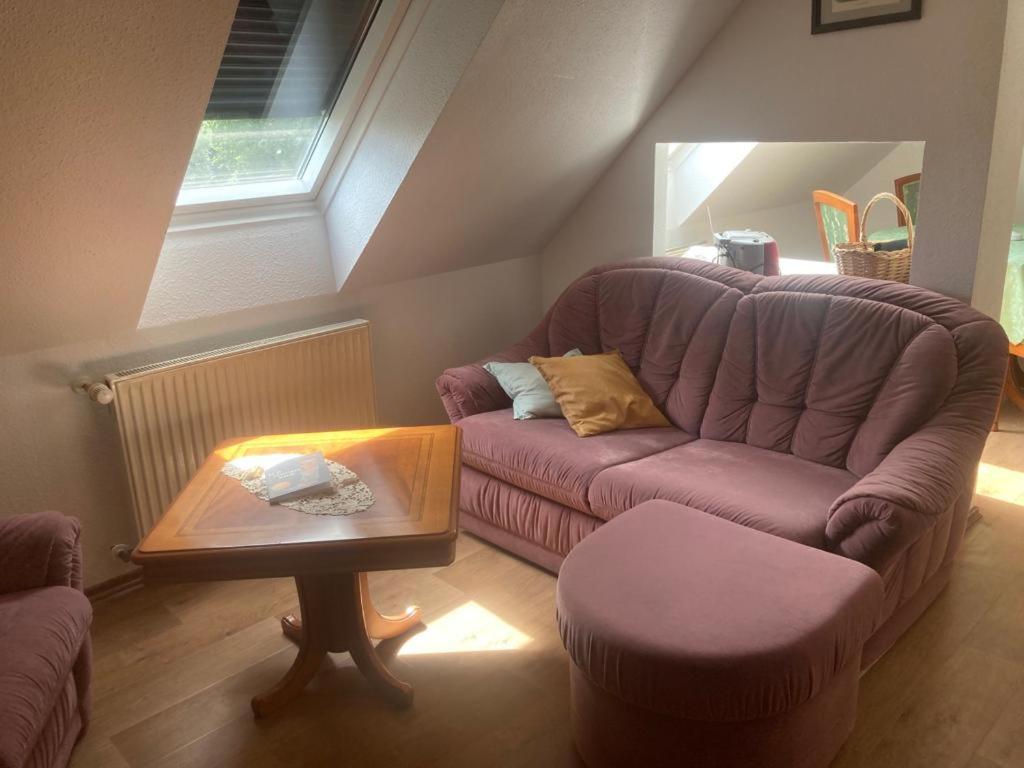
<point x="45" y="658"/>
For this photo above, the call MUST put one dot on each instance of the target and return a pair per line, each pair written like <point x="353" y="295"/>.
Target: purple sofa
<point x="842" y="413"/>
<point x="44" y="640"/>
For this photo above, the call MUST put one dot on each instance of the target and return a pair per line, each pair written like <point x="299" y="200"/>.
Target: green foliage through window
<point x="244" y="151"/>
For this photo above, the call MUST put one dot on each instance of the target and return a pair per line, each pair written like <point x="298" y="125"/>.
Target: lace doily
<point x="350" y="494"/>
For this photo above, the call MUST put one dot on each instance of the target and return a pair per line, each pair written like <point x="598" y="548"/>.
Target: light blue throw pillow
<point x="531" y="395"/>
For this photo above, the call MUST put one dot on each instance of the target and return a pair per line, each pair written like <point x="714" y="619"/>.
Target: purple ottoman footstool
<point x="696" y="641"/>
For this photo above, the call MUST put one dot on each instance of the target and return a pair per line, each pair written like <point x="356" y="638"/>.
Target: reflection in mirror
<point x="783" y="206"/>
<point x="1012" y="315"/>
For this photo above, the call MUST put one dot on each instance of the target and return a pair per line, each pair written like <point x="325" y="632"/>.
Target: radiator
<point x="170" y="415"/>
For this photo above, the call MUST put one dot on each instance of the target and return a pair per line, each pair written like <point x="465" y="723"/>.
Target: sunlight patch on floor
<point x="1000" y="483"/>
<point x="470" y="628"/>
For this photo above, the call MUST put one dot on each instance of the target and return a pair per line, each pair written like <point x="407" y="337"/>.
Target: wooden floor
<point x="177" y="665"/>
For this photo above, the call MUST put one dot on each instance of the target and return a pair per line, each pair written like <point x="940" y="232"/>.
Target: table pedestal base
<point x="338" y="615"/>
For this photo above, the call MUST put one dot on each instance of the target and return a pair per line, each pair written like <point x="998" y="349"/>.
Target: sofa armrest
<point x="470" y="389"/>
<point x="924" y="475"/>
<point x="39" y="550"/>
<point x="889" y="508"/>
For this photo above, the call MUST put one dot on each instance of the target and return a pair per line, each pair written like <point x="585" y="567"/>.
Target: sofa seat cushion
<point x="41" y="632"/>
<point x="546" y="457"/>
<point x="773" y="492"/>
<point x="681" y="613"/>
<point x="512" y="516"/>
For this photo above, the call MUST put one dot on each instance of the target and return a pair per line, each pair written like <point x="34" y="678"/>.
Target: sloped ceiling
<point x="100" y="107"/>
<point x="787" y="172"/>
<point x="552" y="95"/>
<point x="101" y="103"/>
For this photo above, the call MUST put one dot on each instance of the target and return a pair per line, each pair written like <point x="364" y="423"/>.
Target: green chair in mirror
<point x="908" y="190"/>
<point x="837" y="217"/>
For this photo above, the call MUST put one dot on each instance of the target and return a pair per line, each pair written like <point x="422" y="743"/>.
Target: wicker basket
<point x="862" y="260"/>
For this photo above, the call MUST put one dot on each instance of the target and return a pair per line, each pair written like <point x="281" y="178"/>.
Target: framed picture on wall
<point x="833" y="15"/>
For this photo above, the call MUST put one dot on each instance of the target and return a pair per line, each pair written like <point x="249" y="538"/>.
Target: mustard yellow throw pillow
<point x="598" y="393"/>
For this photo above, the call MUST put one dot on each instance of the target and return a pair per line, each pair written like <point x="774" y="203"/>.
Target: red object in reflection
<point x="771" y="258"/>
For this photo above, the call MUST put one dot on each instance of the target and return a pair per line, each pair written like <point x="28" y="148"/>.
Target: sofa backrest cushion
<point x="669" y="319"/>
<point x="834" y="379"/>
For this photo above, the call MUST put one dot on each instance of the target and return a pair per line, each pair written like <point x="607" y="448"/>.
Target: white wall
<point x="60" y="451"/>
<point x="778" y="173"/>
<point x="210" y="271"/>
<point x="700" y="173"/>
<point x="807" y="90"/>
<point x="99" y="106"/>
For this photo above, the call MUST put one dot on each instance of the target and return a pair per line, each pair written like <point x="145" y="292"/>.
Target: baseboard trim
<point x="115" y="587"/>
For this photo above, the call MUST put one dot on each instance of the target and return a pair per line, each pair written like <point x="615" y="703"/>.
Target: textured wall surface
<point x="100" y="107"/>
<point x="208" y="272"/>
<point x="551" y="96"/>
<point x="765" y="77"/>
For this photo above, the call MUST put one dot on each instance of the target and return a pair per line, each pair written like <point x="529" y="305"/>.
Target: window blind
<point x="288" y="58"/>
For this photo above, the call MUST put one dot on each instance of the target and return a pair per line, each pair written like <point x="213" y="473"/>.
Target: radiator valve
<point x="122" y="552"/>
<point x="96" y="391"/>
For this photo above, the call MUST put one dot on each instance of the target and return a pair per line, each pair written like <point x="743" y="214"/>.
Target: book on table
<point x="305" y="475"/>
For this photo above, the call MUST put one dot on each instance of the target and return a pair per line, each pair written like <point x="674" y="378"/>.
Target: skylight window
<point x="281" y="96"/>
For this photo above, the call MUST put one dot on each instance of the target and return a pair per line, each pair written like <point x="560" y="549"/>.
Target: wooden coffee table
<point x="216" y="529"/>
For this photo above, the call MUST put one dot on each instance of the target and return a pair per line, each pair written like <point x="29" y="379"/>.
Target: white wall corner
<point x="432" y="49"/>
